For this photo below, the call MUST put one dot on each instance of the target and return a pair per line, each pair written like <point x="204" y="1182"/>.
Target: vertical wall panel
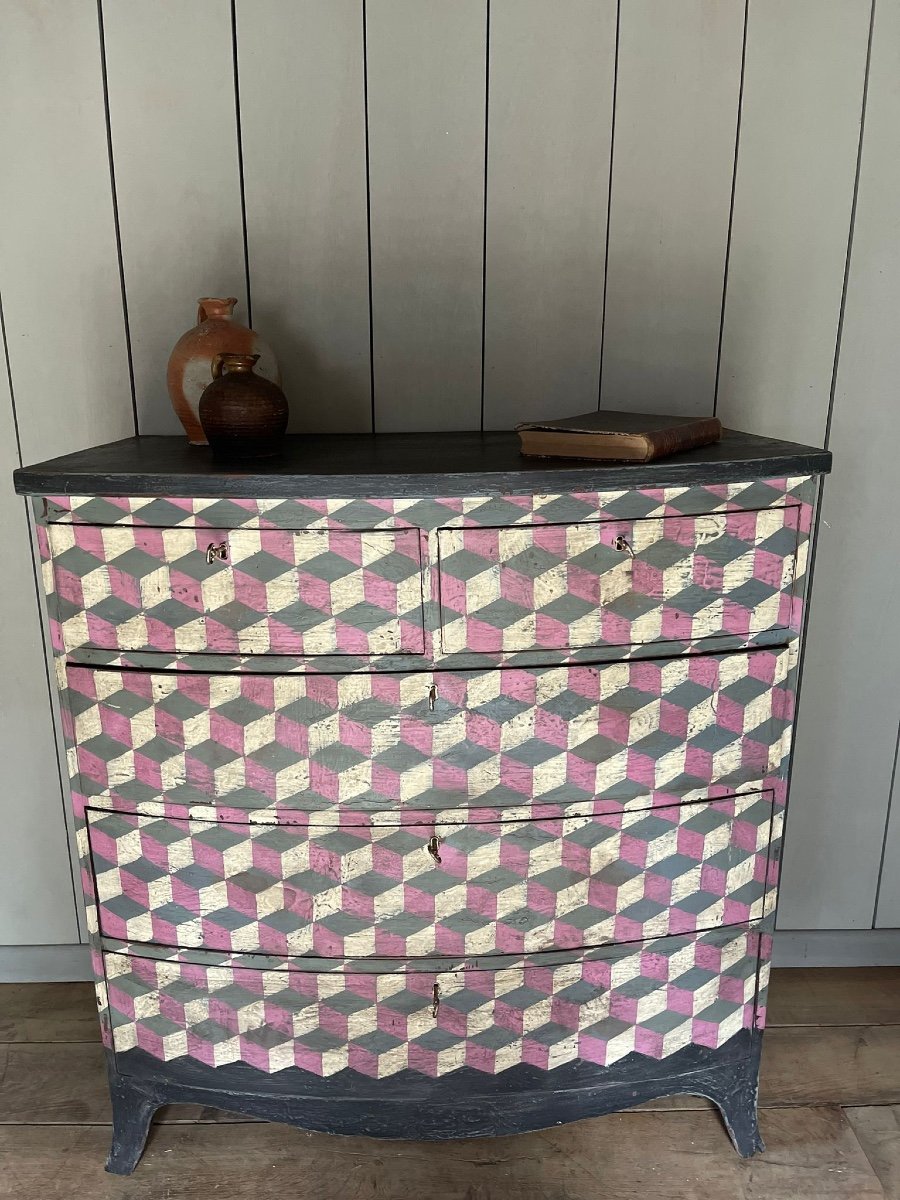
<point x="426" y="89"/>
<point x="58" y="264"/>
<point x="303" y="124"/>
<point x="67" y="356"/>
<point x="887" y="914"/>
<point x="676" y="114"/>
<point x="548" y="185"/>
<point x="803" y="86"/>
<point x="172" y="114"/>
<point x="37" y="899"/>
<point x="850" y="709"/>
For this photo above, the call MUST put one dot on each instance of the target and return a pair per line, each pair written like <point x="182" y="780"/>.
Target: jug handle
<point x="216" y="365"/>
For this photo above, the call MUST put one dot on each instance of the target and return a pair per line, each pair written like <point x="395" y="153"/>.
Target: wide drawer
<point x="653" y="998"/>
<point x="617" y="582"/>
<point x="478" y="888"/>
<point x="239" y="591"/>
<point x="631" y="733"/>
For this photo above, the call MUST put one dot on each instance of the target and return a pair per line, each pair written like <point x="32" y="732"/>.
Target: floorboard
<point x="834" y="996"/>
<point x="812" y="1155"/>
<point x="48" y="1012"/>
<point x="878" y="1132"/>
<point x="65" y="1084"/>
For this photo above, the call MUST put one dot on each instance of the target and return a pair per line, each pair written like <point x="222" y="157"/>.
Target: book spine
<point x="671" y="441"/>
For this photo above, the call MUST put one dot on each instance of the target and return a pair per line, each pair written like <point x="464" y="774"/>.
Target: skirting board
<point x="793" y="948"/>
<point x="44" y="964"/>
<point x="836" y="948"/>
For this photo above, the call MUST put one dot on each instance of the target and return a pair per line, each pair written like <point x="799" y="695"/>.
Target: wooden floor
<point x="831" y="1120"/>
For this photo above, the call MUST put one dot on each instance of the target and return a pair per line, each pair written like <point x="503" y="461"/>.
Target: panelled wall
<point x="452" y="214"/>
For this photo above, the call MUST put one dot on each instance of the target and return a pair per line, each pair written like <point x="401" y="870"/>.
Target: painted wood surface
<point x="173" y="127"/>
<point x="802" y="99"/>
<point x="427" y="69"/>
<point x="628" y="735"/>
<point x="847" y="735"/>
<point x="487" y="1020"/>
<point x="623" y="583"/>
<point x="177" y="169"/>
<point x="303" y="138"/>
<point x="887" y="914"/>
<point x="33" y="904"/>
<point x="472" y="887"/>
<point x="677" y="87"/>
<point x="547" y="192"/>
<point x="62" y="303"/>
<point x="67" y="360"/>
<point x="326" y="591"/>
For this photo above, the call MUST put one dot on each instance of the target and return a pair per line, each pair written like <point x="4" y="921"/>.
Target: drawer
<point x="630" y="733"/>
<point x="617" y="583"/>
<point x="653" y="998"/>
<point x="476" y="888"/>
<point x="303" y="592"/>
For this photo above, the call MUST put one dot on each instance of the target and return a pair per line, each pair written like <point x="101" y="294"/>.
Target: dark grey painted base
<point x="413" y="1107"/>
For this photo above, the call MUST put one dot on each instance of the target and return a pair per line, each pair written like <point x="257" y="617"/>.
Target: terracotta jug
<point x="190" y="362"/>
<point x="243" y="414"/>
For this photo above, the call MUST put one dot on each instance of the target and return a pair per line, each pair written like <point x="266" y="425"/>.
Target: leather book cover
<point x="617" y="436"/>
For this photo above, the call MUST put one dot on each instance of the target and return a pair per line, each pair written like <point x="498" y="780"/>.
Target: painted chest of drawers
<point x="427" y="801"/>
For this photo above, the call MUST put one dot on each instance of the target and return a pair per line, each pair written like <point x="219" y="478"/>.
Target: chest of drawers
<point x="427" y="801"/>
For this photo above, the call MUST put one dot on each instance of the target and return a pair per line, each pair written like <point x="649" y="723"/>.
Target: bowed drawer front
<point x="619" y="583"/>
<point x="478" y="888"/>
<point x="626" y="733"/>
<point x="653" y="998"/>
<point x="241" y="591"/>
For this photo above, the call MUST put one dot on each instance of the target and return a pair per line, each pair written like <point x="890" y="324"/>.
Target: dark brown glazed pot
<point x="242" y="414"/>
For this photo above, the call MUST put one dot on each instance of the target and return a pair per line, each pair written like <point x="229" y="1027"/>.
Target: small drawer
<point x="651" y="999"/>
<point x="242" y="591"/>
<point x="632" y="734"/>
<point x="617" y="583"/>
<point x="410" y="890"/>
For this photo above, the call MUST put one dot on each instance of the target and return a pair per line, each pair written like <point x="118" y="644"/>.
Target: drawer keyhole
<point x="216" y="550"/>
<point x="623" y="545"/>
<point x="435" y="1000"/>
<point x="434" y="846"/>
<point x="432" y="697"/>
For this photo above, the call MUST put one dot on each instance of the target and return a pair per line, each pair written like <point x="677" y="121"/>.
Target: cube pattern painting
<point x="306" y="592"/>
<point x="652" y="1000"/>
<point x="581" y="704"/>
<point x="341" y="585"/>
<point x="630" y="732"/>
<point x="478" y="888"/>
<point x="617" y="582"/>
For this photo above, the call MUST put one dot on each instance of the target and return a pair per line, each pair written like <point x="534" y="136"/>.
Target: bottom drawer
<point x="653" y="998"/>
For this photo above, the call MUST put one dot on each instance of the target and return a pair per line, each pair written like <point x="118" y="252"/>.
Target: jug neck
<point x="213" y="308"/>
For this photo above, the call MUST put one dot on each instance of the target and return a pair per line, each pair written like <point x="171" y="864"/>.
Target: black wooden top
<point x="398" y="464"/>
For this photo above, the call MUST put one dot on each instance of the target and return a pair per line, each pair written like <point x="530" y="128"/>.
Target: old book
<point x="617" y="436"/>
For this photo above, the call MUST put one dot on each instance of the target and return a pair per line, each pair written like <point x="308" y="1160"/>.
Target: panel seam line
<point x="734" y="175"/>
<point x="609" y="190"/>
